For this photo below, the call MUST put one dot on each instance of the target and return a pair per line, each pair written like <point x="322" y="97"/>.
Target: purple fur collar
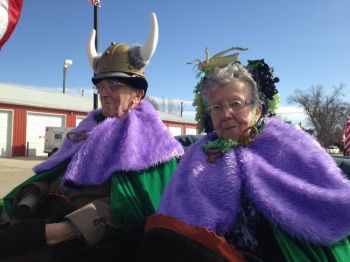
<point x="285" y="173"/>
<point x="134" y="142"/>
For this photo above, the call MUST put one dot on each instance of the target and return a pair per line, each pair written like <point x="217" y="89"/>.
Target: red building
<point x="25" y="112"/>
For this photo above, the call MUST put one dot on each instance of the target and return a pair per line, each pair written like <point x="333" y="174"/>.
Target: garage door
<point x="175" y="130"/>
<point x="191" y="131"/>
<point x="78" y="120"/>
<point x="5" y="133"/>
<point x="36" y="124"/>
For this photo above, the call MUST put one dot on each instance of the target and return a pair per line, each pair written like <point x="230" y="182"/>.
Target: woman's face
<point x="117" y="98"/>
<point x="231" y="109"/>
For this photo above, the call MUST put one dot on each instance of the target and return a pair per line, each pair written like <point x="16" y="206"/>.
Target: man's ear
<point x="138" y="96"/>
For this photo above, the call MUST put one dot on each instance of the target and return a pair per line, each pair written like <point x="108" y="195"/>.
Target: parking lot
<point x="15" y="170"/>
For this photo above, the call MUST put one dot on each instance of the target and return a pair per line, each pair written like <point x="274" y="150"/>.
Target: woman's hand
<point x="58" y="232"/>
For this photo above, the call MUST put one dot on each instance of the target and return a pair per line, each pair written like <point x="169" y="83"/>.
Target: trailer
<point x="54" y="137"/>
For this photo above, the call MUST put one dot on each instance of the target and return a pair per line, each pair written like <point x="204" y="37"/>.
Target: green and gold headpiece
<point x="261" y="72"/>
<point x="219" y="60"/>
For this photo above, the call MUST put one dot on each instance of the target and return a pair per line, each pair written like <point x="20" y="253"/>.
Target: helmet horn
<point x="147" y="50"/>
<point x="91" y="49"/>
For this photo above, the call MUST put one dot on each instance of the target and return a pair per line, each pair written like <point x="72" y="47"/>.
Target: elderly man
<point x="91" y="198"/>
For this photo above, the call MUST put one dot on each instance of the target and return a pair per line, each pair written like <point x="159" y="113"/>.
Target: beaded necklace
<point x="219" y="146"/>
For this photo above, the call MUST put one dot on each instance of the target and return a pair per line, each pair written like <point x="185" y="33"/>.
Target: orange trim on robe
<point x="198" y="234"/>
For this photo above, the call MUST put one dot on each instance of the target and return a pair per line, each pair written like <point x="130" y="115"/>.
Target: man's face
<point x="117" y="98"/>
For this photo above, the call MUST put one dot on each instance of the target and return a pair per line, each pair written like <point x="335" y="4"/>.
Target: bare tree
<point x="153" y="102"/>
<point x="326" y="113"/>
<point x="163" y="103"/>
<point x="171" y="107"/>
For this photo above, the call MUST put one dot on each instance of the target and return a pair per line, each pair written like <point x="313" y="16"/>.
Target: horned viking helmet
<point x="121" y="61"/>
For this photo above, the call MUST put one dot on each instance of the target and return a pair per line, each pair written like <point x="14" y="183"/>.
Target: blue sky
<point x="307" y="42"/>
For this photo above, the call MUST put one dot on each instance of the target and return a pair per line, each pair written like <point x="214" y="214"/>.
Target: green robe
<point x="133" y="195"/>
<point x="295" y="250"/>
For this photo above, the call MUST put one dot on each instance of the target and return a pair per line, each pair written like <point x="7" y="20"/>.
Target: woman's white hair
<point x="229" y="74"/>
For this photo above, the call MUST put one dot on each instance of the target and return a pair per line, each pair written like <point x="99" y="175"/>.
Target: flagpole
<point x="97" y="4"/>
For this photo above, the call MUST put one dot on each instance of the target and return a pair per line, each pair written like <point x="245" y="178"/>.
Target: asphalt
<point x="13" y="171"/>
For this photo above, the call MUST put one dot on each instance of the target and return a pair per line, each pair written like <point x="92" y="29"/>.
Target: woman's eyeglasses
<point x="234" y="105"/>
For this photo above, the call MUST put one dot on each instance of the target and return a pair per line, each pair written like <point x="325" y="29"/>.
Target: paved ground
<point x="15" y="170"/>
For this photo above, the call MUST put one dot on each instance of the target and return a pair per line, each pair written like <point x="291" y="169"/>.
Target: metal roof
<point x="31" y="96"/>
<point x="174" y="118"/>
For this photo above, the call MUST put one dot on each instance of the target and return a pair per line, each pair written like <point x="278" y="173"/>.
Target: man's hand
<point x="58" y="232"/>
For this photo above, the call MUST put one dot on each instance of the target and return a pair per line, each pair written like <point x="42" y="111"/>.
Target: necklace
<point x="220" y="146"/>
<point x="223" y="145"/>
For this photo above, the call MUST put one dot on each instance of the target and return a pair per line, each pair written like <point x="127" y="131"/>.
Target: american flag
<point x="10" y="11"/>
<point x="346" y="138"/>
<point x="95" y="2"/>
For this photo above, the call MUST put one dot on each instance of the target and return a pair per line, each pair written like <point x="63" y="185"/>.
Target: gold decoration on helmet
<point x="116" y="58"/>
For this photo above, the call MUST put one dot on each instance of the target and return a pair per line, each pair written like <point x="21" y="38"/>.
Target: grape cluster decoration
<point x="266" y="83"/>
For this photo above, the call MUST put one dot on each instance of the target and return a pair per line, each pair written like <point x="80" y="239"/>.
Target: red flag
<point x="95" y="2"/>
<point x="10" y="11"/>
<point x="346" y="138"/>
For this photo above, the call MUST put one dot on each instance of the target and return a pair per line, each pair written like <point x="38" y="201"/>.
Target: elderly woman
<point x="246" y="191"/>
<point x="89" y="201"/>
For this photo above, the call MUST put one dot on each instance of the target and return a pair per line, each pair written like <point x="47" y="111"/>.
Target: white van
<point x="333" y="150"/>
<point x="54" y="137"/>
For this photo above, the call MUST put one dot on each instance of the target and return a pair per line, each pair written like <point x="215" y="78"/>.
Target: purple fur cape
<point x="135" y="142"/>
<point x="288" y="176"/>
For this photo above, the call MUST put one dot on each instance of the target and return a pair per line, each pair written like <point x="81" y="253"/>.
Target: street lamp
<point x="67" y="63"/>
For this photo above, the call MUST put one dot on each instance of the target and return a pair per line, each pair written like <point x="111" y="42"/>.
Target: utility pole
<point x="97" y="5"/>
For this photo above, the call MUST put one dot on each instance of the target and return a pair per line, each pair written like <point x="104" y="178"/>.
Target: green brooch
<point x="219" y="147"/>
